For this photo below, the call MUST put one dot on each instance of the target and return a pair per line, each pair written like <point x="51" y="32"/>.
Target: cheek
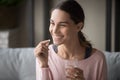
<point x="67" y="34"/>
<point x="70" y="34"/>
<point x="50" y="30"/>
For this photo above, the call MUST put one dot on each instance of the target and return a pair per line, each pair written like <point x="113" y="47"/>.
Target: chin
<point x="57" y="43"/>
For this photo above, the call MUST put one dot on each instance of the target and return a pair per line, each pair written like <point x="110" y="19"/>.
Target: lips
<point x="57" y="38"/>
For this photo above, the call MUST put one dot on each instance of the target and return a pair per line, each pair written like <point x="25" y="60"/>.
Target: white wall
<point x="94" y="29"/>
<point x="94" y="22"/>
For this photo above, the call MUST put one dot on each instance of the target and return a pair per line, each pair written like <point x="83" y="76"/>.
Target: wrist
<point x="44" y="66"/>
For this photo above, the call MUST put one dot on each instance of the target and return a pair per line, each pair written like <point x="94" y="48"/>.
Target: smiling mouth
<point x="57" y="37"/>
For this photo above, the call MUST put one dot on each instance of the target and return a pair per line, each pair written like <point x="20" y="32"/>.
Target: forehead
<point x="58" y="15"/>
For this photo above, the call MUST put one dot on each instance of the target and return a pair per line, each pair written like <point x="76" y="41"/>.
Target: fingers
<point x="75" y="74"/>
<point x="78" y="71"/>
<point x="44" y="43"/>
<point x="42" y="47"/>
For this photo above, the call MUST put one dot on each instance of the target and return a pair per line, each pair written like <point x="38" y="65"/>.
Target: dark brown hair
<point x="76" y="14"/>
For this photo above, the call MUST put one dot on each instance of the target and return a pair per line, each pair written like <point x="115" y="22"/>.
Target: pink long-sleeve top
<point x="94" y="67"/>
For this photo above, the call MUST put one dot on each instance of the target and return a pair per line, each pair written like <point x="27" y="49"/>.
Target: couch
<point x="113" y="65"/>
<point x="19" y="64"/>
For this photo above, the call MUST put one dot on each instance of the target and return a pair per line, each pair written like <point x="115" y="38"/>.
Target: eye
<point x="51" y="23"/>
<point x="63" y="25"/>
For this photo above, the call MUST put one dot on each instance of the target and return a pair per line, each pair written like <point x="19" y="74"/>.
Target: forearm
<point x="42" y="73"/>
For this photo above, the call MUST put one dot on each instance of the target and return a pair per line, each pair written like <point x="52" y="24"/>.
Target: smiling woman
<point x="69" y="44"/>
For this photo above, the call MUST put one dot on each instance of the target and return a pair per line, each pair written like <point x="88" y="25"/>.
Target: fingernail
<point x="48" y="42"/>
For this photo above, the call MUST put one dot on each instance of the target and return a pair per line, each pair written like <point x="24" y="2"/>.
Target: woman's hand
<point x="41" y="53"/>
<point x="74" y="73"/>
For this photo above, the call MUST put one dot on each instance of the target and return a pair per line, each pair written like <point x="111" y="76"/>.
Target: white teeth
<point x="57" y="36"/>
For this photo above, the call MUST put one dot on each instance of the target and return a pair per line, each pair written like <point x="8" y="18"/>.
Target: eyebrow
<point x="66" y="22"/>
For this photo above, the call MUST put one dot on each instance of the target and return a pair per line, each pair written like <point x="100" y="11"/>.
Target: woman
<point x="69" y="44"/>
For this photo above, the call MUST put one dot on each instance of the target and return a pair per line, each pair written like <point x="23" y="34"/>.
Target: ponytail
<point x="83" y="40"/>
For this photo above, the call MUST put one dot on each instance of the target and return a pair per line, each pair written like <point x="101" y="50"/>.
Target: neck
<point x="71" y="50"/>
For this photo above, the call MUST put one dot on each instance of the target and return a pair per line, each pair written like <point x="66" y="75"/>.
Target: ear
<point x="80" y="26"/>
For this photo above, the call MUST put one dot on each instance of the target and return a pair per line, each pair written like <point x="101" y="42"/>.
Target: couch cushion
<point x="17" y="64"/>
<point x="113" y="64"/>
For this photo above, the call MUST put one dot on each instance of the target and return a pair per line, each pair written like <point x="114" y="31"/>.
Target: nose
<point x="55" y="29"/>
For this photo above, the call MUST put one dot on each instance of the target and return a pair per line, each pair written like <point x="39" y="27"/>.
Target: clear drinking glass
<point x="70" y="64"/>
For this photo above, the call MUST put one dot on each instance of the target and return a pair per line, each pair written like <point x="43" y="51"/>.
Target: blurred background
<point x="24" y="23"/>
